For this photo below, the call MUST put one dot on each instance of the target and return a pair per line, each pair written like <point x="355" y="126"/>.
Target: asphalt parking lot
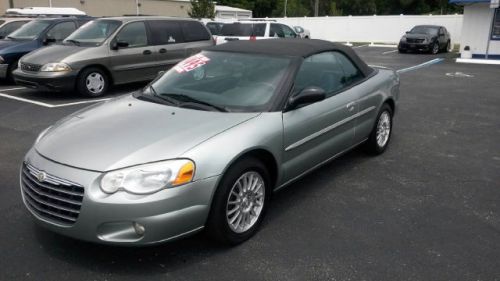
<point x="427" y="209"/>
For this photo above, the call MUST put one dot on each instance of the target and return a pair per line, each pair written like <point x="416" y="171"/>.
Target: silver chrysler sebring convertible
<point x="205" y="144"/>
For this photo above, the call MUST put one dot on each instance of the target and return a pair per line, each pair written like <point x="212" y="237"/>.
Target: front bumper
<point x="422" y="47"/>
<point x="104" y="218"/>
<point x="46" y="81"/>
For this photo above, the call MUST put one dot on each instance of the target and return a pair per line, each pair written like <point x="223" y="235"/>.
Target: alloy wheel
<point x="383" y="128"/>
<point x="245" y="202"/>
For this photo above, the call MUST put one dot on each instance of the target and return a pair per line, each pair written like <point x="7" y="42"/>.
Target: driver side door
<point x="317" y="132"/>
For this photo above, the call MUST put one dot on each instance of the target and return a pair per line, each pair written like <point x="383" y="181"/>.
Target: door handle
<point x="147" y="52"/>
<point x="350" y="106"/>
<point x="162" y="51"/>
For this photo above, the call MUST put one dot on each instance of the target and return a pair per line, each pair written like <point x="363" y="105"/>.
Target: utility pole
<point x="137" y="12"/>
<point x="50" y="3"/>
<point x="316" y="7"/>
<point x="286" y="2"/>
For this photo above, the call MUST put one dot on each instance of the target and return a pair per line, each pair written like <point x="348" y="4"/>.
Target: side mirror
<point x="115" y="45"/>
<point x="407" y="32"/>
<point x="49" y="40"/>
<point x="306" y="96"/>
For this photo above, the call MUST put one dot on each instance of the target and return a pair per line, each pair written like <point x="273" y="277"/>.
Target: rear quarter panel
<point x="374" y="92"/>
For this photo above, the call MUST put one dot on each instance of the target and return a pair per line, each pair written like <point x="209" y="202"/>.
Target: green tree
<point x="202" y="9"/>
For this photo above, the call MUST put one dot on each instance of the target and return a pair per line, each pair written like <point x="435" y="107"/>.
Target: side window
<point x="61" y="30"/>
<point x="288" y="32"/>
<point x="10" y="27"/>
<point x="331" y="71"/>
<point x="276" y="31"/>
<point x="351" y="73"/>
<point x="165" y="32"/>
<point x="259" y="29"/>
<point x="134" y="34"/>
<point x="194" y="31"/>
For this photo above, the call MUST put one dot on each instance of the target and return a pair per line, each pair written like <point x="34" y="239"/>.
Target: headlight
<point x="403" y="38"/>
<point x="149" y="178"/>
<point x="1" y="59"/>
<point x="55" y="67"/>
<point x="40" y="136"/>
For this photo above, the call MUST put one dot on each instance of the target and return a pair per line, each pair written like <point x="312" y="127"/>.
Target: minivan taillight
<point x="215" y="39"/>
<point x="253" y="38"/>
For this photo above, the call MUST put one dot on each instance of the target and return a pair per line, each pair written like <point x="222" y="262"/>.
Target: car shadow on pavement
<point x="168" y="257"/>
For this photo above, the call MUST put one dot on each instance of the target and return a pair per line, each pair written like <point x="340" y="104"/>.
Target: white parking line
<point x="418" y="66"/>
<point x="388" y="52"/>
<point x="361" y="46"/>
<point x="13" y="89"/>
<point x="48" y="104"/>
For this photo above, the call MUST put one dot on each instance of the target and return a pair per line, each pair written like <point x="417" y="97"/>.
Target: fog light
<point x="139" y="228"/>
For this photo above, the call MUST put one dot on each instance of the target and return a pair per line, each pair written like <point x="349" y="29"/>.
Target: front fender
<point x="215" y="155"/>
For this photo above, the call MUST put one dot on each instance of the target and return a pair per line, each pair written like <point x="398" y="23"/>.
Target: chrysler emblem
<point x="41" y="176"/>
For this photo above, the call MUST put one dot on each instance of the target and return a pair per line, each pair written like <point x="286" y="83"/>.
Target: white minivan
<point x="254" y="30"/>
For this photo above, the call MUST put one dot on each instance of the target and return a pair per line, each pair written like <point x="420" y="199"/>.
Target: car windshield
<point x="232" y="81"/>
<point x="424" y="30"/>
<point x="243" y="29"/>
<point x="30" y="30"/>
<point x="93" y="33"/>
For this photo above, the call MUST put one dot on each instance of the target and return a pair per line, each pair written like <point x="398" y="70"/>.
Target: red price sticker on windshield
<point x="191" y="63"/>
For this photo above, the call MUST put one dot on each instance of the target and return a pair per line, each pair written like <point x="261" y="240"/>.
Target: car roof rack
<point x="266" y="20"/>
<point x="44" y="12"/>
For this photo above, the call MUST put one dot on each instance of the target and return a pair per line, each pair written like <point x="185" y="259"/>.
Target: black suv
<point x="426" y="38"/>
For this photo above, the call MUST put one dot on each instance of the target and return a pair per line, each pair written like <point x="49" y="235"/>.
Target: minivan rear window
<point x="165" y="32"/>
<point x="243" y="29"/>
<point x="194" y="31"/>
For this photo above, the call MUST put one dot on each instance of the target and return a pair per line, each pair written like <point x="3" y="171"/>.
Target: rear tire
<point x="92" y="82"/>
<point x="237" y="212"/>
<point x="448" y="47"/>
<point x="379" y="138"/>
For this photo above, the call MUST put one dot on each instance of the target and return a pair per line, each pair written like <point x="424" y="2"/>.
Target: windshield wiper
<point x="76" y="42"/>
<point x="186" y="100"/>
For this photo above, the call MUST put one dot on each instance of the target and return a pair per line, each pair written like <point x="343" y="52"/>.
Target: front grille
<point x="30" y="67"/>
<point x="50" y="197"/>
<point x="412" y="40"/>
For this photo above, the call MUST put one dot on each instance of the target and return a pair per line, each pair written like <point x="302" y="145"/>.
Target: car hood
<point x="127" y="131"/>
<point x="6" y="44"/>
<point x="54" y="53"/>
<point x="418" y="36"/>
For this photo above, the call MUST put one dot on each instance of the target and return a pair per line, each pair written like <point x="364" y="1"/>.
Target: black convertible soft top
<point x="290" y="47"/>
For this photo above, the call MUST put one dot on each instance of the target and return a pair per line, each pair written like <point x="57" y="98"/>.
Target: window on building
<point x="495" y="31"/>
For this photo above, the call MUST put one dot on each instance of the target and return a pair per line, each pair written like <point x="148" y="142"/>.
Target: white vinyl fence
<point x="373" y="29"/>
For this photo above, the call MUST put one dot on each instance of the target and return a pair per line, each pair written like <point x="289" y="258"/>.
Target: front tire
<point x="240" y="202"/>
<point x="435" y="48"/>
<point x="92" y="82"/>
<point x="381" y="133"/>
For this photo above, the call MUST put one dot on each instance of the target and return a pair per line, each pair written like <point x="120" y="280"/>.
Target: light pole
<point x="286" y="2"/>
<point x="137" y="12"/>
<point x="50" y="3"/>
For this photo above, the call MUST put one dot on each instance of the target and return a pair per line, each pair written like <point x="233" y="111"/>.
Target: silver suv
<point x="112" y="51"/>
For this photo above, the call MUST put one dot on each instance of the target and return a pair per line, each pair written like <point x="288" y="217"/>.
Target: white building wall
<point x="476" y="27"/>
<point x="378" y="29"/>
